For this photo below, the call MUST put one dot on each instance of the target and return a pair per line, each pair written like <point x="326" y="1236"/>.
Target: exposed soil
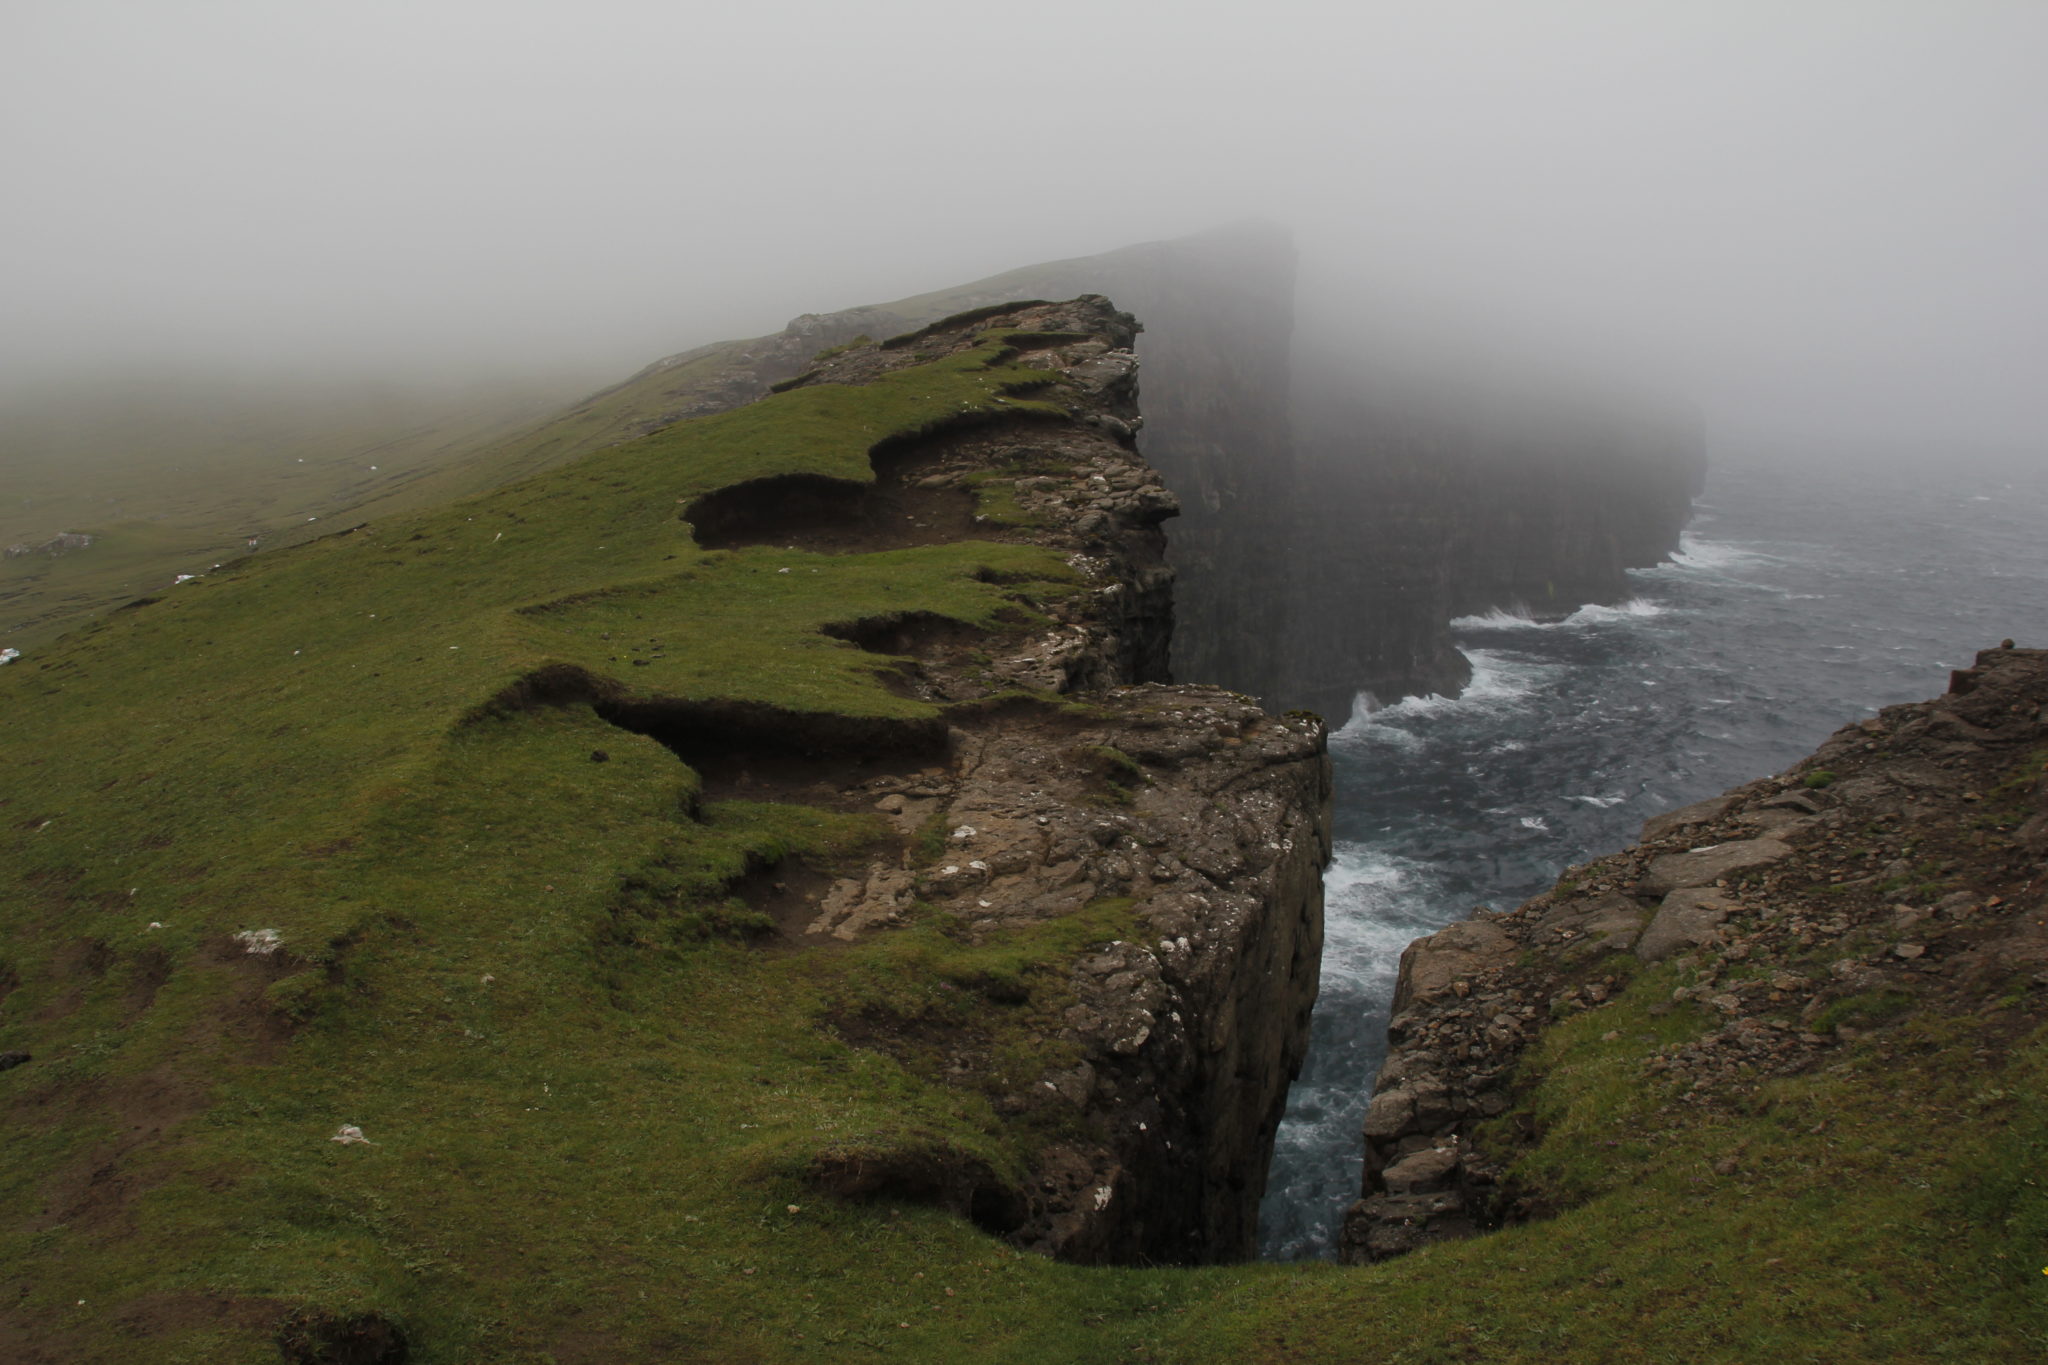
<point x="788" y="893"/>
<point x="749" y="752"/>
<point x="937" y="1176"/>
<point x="343" y="1339"/>
<point x="831" y="516"/>
<point x="907" y="633"/>
<point x="900" y="509"/>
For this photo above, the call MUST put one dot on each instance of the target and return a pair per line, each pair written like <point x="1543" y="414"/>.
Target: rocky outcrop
<point x="1900" y="871"/>
<point x="1077" y="781"/>
<point x="1207" y="818"/>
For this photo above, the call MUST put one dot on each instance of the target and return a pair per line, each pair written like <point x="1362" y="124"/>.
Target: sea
<point x="1802" y="598"/>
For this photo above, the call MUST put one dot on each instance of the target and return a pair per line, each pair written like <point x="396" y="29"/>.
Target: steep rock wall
<point x="1333" y="522"/>
<point x="1205" y="819"/>
<point x="1430" y="510"/>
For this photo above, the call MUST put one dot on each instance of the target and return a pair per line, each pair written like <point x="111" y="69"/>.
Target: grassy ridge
<point x="299" y="744"/>
<point x="171" y="479"/>
<point x="173" y="475"/>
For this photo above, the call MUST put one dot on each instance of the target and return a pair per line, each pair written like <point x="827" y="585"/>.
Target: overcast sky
<point x="1823" y="213"/>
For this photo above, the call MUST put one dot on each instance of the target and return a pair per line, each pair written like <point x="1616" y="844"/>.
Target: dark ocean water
<point x="1800" y="602"/>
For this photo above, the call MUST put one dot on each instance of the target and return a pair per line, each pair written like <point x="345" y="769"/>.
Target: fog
<point x="1817" y="218"/>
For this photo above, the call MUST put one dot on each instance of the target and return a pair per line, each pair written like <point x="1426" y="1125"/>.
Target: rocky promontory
<point x="1898" y="875"/>
<point x="1206" y="817"/>
<point x="761" y="861"/>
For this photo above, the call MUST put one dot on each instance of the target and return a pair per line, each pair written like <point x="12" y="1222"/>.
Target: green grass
<point x="305" y="742"/>
<point x="1865" y="1219"/>
<point x="592" y="1101"/>
<point x="172" y="478"/>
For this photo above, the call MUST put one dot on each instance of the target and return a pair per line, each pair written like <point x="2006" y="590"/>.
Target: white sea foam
<point x="1373" y="909"/>
<point x="1536" y="823"/>
<point x="1499" y="680"/>
<point x="1599" y="802"/>
<point x="1636" y="608"/>
<point x="1712" y="556"/>
<point x="1500" y="618"/>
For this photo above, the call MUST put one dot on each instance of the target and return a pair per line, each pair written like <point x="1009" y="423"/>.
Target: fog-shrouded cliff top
<point x="1336" y="514"/>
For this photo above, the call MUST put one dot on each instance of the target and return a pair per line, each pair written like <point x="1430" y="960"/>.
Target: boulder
<point x="1431" y="964"/>
<point x="1698" y="813"/>
<point x="1422" y="1172"/>
<point x="1686" y="919"/>
<point x="1596" y="924"/>
<point x="1705" y="866"/>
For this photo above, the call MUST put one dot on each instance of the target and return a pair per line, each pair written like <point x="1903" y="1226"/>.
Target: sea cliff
<point x="769" y="844"/>
<point x="1334" y="523"/>
<point x="1880" y="895"/>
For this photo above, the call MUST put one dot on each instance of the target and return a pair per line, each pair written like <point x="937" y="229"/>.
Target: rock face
<point x="1901" y="869"/>
<point x="1188" y="1035"/>
<point x="1429" y="505"/>
<point x="1332" y="526"/>
<point x="1187" y="808"/>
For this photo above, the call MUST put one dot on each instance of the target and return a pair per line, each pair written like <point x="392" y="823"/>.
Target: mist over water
<point x="1799" y="602"/>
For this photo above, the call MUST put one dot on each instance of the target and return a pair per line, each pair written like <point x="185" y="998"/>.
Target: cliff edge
<point x="764" y="854"/>
<point x="1878" y="907"/>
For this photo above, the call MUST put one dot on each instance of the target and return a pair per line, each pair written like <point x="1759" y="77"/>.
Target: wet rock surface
<point x="1902" y="869"/>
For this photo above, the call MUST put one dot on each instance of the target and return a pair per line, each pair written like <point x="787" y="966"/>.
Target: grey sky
<point x="1819" y="213"/>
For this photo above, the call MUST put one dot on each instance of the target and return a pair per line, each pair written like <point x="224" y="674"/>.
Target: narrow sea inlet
<point x="1800" y="601"/>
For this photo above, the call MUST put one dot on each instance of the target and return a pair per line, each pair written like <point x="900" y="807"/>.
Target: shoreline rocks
<point x="1906" y="861"/>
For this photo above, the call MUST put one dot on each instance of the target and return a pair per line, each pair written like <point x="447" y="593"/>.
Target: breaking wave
<point x="1636" y="608"/>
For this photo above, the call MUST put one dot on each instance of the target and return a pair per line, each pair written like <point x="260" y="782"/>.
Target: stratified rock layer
<point x="1905" y="862"/>
<point x="1203" y="815"/>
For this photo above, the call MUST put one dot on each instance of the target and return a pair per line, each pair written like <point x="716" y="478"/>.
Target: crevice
<point x="742" y="748"/>
<point x="913" y="633"/>
<point x="845" y="516"/>
<point x="755" y="752"/>
<point x="936" y="1176"/>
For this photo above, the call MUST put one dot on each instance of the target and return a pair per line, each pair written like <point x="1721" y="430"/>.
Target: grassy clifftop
<point x="338" y="836"/>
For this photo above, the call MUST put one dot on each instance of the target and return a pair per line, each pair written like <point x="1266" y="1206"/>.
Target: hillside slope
<point x="1333" y="520"/>
<point x="757" y="855"/>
